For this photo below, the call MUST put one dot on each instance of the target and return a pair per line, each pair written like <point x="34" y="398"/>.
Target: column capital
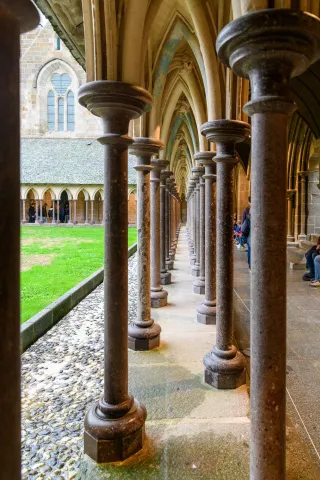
<point x="165" y="174"/>
<point x="143" y="148"/>
<point x="269" y="47"/>
<point x="226" y="133"/>
<point x="116" y="103"/>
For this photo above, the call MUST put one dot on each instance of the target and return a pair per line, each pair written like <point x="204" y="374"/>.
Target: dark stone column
<point x="24" y="211"/>
<point x="15" y="18"/>
<point x="114" y="426"/>
<point x="158" y="294"/>
<point x="206" y="312"/>
<point x="193" y="184"/>
<point x="224" y="365"/>
<point x="92" y="213"/>
<point x="75" y="211"/>
<point x="269" y="47"/>
<point x="58" y="211"/>
<point x="199" y="283"/>
<point x="165" y="275"/>
<point x="169" y="261"/>
<point x="144" y="333"/>
<point x="198" y="172"/>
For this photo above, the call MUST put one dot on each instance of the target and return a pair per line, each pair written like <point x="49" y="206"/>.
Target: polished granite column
<point x="169" y="261"/>
<point x="144" y="333"/>
<point x="159" y="296"/>
<point x="193" y="184"/>
<point x="114" y="425"/>
<point x="165" y="274"/>
<point x="199" y="283"/>
<point x="197" y="172"/>
<point x="224" y="364"/>
<point x="269" y="47"/>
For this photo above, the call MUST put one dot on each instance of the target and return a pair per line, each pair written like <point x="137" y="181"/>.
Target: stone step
<point x="306" y="245"/>
<point x="295" y="255"/>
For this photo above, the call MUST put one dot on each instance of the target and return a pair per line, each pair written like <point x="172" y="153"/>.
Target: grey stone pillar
<point x="165" y="275"/>
<point x="114" y="426"/>
<point x="197" y="172"/>
<point x="37" y="207"/>
<point x="269" y="47"/>
<point x="24" y="211"/>
<point x="302" y="235"/>
<point x="158" y="294"/>
<point x="193" y="184"/>
<point x="92" y="213"/>
<point x="224" y="364"/>
<point x="15" y="18"/>
<point x="169" y="261"/>
<point x="86" y="212"/>
<point x="144" y="333"/>
<point x="290" y="197"/>
<point x="58" y="211"/>
<point x="206" y="312"/>
<point x="41" y="219"/>
<point x="75" y="212"/>
<point x="199" y="283"/>
<point x="70" y="211"/>
<point x="53" y="212"/>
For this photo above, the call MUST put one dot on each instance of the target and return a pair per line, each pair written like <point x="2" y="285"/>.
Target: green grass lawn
<point x="53" y="260"/>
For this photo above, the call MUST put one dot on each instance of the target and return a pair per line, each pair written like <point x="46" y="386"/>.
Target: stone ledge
<point x="40" y="323"/>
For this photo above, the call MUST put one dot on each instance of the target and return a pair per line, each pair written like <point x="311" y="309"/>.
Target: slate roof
<point x="65" y="161"/>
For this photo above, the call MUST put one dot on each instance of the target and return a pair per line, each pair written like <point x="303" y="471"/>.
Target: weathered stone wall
<point x="39" y="60"/>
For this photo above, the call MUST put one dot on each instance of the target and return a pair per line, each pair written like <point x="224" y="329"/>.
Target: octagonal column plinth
<point x="114" y="426"/>
<point x="144" y="333"/>
<point x="165" y="275"/>
<point x="169" y="261"/>
<point x="195" y="270"/>
<point x="269" y="47"/>
<point x="206" y="312"/>
<point x="159" y="296"/>
<point x="224" y="365"/>
<point x="199" y="283"/>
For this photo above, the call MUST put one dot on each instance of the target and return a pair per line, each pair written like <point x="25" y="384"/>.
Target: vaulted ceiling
<point x="168" y="47"/>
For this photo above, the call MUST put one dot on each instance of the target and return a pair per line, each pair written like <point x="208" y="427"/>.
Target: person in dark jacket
<point x="62" y="214"/>
<point x="310" y="259"/>
<point x="32" y="213"/>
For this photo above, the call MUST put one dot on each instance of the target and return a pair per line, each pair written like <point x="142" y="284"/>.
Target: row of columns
<point x="55" y="211"/>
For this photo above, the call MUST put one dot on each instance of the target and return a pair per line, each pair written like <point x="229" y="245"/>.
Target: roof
<point x="65" y="161"/>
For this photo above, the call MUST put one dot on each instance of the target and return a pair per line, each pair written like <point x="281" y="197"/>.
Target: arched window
<point x="61" y="82"/>
<point x="61" y="115"/>
<point x="50" y="114"/>
<point x="70" y="111"/>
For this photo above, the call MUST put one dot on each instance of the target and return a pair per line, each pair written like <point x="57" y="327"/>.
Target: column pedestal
<point x="114" y="426"/>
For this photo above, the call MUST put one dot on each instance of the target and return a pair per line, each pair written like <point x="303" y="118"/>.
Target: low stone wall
<point x="40" y="323"/>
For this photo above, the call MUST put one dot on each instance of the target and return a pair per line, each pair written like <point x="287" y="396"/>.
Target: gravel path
<point x="62" y="375"/>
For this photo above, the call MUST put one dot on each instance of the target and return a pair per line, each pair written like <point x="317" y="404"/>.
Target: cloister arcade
<point x="216" y="101"/>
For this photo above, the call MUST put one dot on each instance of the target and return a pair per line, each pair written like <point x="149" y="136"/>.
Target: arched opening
<point x="81" y="207"/>
<point x="98" y="208"/>
<point x="31" y="207"/>
<point x="64" y="209"/>
<point x="132" y="209"/>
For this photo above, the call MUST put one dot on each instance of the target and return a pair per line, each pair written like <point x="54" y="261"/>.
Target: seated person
<point x="316" y="266"/>
<point x="310" y="258"/>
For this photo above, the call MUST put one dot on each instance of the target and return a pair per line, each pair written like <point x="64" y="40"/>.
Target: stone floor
<point x="193" y="430"/>
<point x="303" y="353"/>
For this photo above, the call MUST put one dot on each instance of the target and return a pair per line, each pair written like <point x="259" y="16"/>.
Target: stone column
<point x="169" y="261"/>
<point x="144" y="333"/>
<point x="37" y="216"/>
<point x="92" y="215"/>
<point x="302" y="235"/>
<point x="53" y="212"/>
<point x="70" y="211"/>
<point x="199" y="283"/>
<point x="224" y="364"/>
<point x="158" y="294"/>
<point x="58" y="211"/>
<point x="15" y="18"/>
<point x="86" y="212"/>
<point x="75" y="212"/>
<point x="41" y="219"/>
<point x="114" y="426"/>
<point x="290" y="195"/>
<point x="165" y="275"/>
<point x="198" y="172"/>
<point x="24" y="211"/>
<point x="206" y="312"/>
<point x="269" y="47"/>
<point x="193" y="184"/>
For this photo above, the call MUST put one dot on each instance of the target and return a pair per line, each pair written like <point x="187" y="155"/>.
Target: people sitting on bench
<point x="313" y="264"/>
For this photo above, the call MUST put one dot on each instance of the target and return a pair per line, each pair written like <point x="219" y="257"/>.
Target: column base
<point x="169" y="264"/>
<point x="224" y="369"/>
<point x="159" y="298"/>
<point x="165" y="278"/>
<point x="302" y="238"/>
<point x="193" y="259"/>
<point x="171" y="256"/>
<point x="114" y="440"/>
<point x="75" y="222"/>
<point x="195" y="270"/>
<point x="290" y="238"/>
<point x="199" y="286"/>
<point x="143" y="338"/>
<point x="206" y="313"/>
<point x="24" y="222"/>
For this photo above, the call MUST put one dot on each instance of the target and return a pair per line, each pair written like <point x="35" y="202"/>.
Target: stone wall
<point x="132" y="208"/>
<point x="39" y="60"/>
